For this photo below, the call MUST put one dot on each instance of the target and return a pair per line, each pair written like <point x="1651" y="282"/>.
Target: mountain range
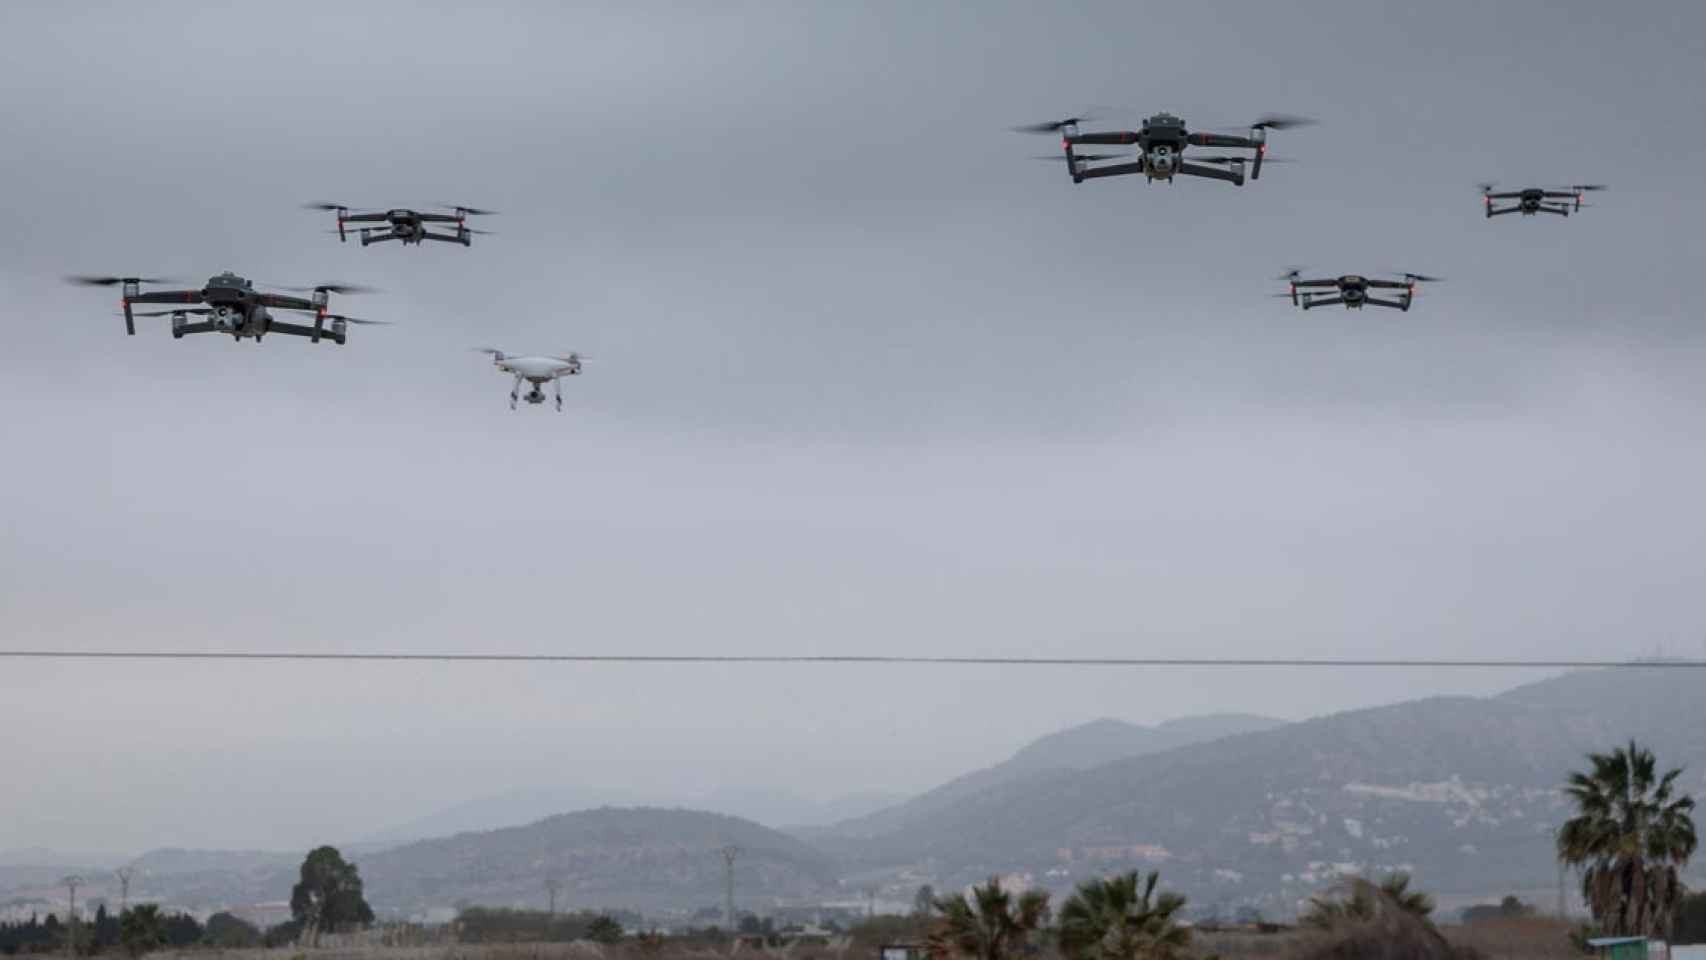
<point x="1460" y="790"/>
<point x="1233" y="809"/>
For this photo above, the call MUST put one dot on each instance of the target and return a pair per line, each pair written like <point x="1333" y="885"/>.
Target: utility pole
<point x="124" y="875"/>
<point x="553" y="883"/>
<point x="71" y="884"/>
<point x="729" y="854"/>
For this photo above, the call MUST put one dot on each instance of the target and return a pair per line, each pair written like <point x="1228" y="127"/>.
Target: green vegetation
<point x="500" y="925"/>
<point x="1630" y="838"/>
<point x="228" y="931"/>
<point x="1360" y="901"/>
<point x="141" y="929"/>
<point x="328" y="898"/>
<point x="1510" y="908"/>
<point x="986" y="924"/>
<point x="1111" y="919"/>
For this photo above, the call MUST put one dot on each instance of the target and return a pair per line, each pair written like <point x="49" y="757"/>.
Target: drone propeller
<point x="1486" y="186"/>
<point x="340" y="288"/>
<point x="1053" y="126"/>
<point x="326" y="206"/>
<point x="483" y="233"/>
<point x="93" y="281"/>
<point x="469" y="211"/>
<point x="1291" y="273"/>
<point x="167" y="313"/>
<point x="1416" y="277"/>
<point x="1587" y="187"/>
<point x="1193" y="158"/>
<point x="1081" y="157"/>
<point x="1280" y="121"/>
<point x="572" y="357"/>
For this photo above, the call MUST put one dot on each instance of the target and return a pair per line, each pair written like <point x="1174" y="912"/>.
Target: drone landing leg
<point x="559" y="383"/>
<point x="515" y="392"/>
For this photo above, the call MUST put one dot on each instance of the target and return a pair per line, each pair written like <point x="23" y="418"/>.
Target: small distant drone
<point x="233" y="306"/>
<point x="1533" y="200"/>
<point x="1161" y="142"/>
<point x="1352" y="291"/>
<point x="535" y="370"/>
<point x="409" y="226"/>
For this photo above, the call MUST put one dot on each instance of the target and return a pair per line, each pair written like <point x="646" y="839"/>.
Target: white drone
<point x="535" y="370"/>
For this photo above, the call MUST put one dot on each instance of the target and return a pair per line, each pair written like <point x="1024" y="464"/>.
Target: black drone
<point x="1161" y="142"/>
<point x="1352" y="290"/>
<point x="409" y="226"/>
<point x="232" y="305"/>
<point x="1533" y="200"/>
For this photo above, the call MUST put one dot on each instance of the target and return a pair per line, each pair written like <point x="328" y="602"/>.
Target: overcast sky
<point x="865" y="378"/>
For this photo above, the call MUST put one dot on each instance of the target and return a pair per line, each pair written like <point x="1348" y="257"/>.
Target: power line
<point x="858" y="659"/>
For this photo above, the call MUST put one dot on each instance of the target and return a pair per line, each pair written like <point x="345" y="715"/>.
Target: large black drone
<point x="1161" y="142"/>
<point x="1533" y="200"/>
<point x="232" y="305"/>
<point x="1351" y="290"/>
<point x="409" y="226"/>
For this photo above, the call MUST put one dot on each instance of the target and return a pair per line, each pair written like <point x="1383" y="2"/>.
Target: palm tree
<point x="1111" y="919"/>
<point x="1630" y="837"/>
<point x="1361" y="901"/>
<point x="988" y="923"/>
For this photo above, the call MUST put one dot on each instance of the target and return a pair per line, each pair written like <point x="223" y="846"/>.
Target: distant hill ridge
<point x="1075" y="748"/>
<point x="1462" y="790"/>
<point x="638" y="857"/>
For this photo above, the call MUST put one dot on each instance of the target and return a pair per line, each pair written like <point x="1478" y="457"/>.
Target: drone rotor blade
<point x="97" y="281"/>
<point x="340" y="288"/>
<point x="376" y="323"/>
<point x="167" y="313"/>
<point x="1587" y="187"/>
<point x="325" y="206"/>
<point x="1280" y="121"/>
<point x="1052" y="126"/>
<point x="470" y="211"/>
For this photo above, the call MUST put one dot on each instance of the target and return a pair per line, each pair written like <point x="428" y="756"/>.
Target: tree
<point x="141" y="929"/>
<point x="924" y="901"/>
<point x="604" y="929"/>
<point x="1359" y="901"/>
<point x="328" y="897"/>
<point x="1630" y="838"/>
<point x="227" y="930"/>
<point x="988" y="923"/>
<point x="1112" y="918"/>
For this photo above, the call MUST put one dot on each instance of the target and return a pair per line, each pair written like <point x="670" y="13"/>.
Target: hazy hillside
<point x="1462" y="790"/>
<point x="610" y="857"/>
<point x="1075" y="748"/>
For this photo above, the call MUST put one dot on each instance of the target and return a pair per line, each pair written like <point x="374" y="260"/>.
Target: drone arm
<point x="367" y="237"/>
<point x="1212" y="173"/>
<point x="205" y="326"/>
<point x="447" y="238"/>
<point x="1220" y="140"/>
<point x="279" y="301"/>
<point x="1324" y="302"/>
<point x="166" y="296"/>
<point x="312" y="332"/>
<point x="1389" y="284"/>
<point x="1116" y="138"/>
<point x="1112" y="170"/>
<point x="1394" y="304"/>
<point x="1560" y="209"/>
<point x="1501" y="211"/>
<point x="1315" y="283"/>
<point x="365" y="218"/>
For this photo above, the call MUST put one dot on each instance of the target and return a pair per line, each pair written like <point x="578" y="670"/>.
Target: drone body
<point x="1533" y="200"/>
<point x="1352" y="290"/>
<point x="232" y="305"/>
<point x="404" y="225"/>
<point x="536" y="370"/>
<point x="1161" y="141"/>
